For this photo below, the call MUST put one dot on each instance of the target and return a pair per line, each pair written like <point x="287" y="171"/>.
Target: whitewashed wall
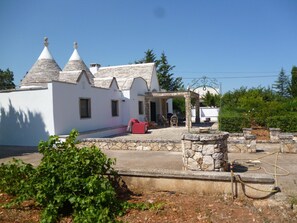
<point x="206" y="112"/>
<point x="126" y="107"/>
<point x="66" y="106"/>
<point x="154" y="81"/>
<point x="26" y="117"/>
<point x="170" y="105"/>
<point x="137" y="92"/>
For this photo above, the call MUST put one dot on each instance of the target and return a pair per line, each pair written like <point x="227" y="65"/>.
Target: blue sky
<point x="223" y="39"/>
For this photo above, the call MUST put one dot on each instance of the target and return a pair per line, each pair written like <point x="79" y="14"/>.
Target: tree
<point x="164" y="71"/>
<point x="211" y="99"/>
<point x="165" y="76"/>
<point x="6" y="79"/>
<point x="293" y="85"/>
<point x="150" y="57"/>
<point x="281" y="85"/>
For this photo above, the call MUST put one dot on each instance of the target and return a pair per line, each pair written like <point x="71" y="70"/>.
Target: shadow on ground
<point x="11" y="151"/>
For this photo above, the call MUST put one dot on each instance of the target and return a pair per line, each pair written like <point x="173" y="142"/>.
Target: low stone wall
<point x="205" y="151"/>
<point x="198" y="182"/>
<point x="237" y="143"/>
<point x="122" y="144"/>
<point x="241" y="143"/>
<point x="246" y="142"/>
<point x="288" y="144"/>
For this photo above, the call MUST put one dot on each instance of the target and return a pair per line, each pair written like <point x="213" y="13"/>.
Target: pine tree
<point x="6" y="79"/>
<point x="281" y="85"/>
<point x="293" y="85"/>
<point x="165" y="75"/>
<point x="150" y="57"/>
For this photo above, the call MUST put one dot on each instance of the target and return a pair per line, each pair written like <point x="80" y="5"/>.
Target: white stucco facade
<point x="51" y="101"/>
<point x="66" y="106"/>
<point x="206" y="114"/>
<point x="25" y="117"/>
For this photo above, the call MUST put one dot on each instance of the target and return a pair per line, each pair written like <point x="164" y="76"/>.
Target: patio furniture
<point x="136" y="127"/>
<point x="174" y="120"/>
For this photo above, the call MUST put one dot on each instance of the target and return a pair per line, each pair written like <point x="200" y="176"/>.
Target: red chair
<point x="137" y="127"/>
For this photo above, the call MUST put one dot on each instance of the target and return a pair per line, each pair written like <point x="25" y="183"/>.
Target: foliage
<point x="293" y="85"/>
<point x="179" y="105"/>
<point x="211" y="100"/>
<point x="68" y="180"/>
<point x="150" y="57"/>
<point x="290" y="105"/>
<point x="257" y="105"/>
<point x="165" y="75"/>
<point x="234" y="99"/>
<point x="15" y="177"/>
<point x="287" y="123"/>
<point x="6" y="79"/>
<point x="281" y="85"/>
<point x="233" y="123"/>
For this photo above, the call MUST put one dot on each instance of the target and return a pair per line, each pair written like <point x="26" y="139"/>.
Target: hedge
<point x="233" y="123"/>
<point x="287" y="123"/>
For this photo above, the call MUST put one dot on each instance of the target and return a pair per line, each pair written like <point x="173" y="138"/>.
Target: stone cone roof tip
<point x="44" y="70"/>
<point x="75" y="55"/>
<point x="45" y="54"/>
<point x="75" y="63"/>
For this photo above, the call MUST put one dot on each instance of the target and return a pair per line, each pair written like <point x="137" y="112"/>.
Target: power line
<point x="236" y="77"/>
<point x="229" y="72"/>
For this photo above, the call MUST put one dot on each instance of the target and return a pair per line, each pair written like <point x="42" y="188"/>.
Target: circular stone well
<point x="205" y="151"/>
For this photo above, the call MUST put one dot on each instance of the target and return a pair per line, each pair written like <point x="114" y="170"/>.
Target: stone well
<point x="205" y="151"/>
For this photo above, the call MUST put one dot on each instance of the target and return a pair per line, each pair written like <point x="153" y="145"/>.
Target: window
<point x="140" y="107"/>
<point x="114" y="108"/>
<point x="85" y="107"/>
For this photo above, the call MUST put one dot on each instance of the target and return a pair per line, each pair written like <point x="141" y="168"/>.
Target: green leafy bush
<point x="287" y="123"/>
<point x="15" y="177"/>
<point x="233" y="123"/>
<point x="259" y="106"/>
<point x="69" y="180"/>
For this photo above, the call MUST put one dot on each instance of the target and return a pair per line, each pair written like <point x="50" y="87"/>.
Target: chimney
<point x="94" y="67"/>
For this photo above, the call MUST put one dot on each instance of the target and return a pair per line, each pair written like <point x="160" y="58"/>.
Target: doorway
<point x="153" y="111"/>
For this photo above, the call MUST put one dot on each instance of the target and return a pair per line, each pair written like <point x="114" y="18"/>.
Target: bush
<point x="69" y="180"/>
<point x="233" y="123"/>
<point x="287" y="123"/>
<point x="259" y="105"/>
<point x="15" y="178"/>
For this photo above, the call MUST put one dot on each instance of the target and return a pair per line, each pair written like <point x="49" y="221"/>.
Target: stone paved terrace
<point x="169" y="133"/>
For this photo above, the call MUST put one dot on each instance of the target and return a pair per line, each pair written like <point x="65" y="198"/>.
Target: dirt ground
<point x="261" y="133"/>
<point x="175" y="207"/>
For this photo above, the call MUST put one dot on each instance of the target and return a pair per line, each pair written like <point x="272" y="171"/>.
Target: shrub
<point x="69" y="180"/>
<point x="287" y="123"/>
<point x="233" y="123"/>
<point x="15" y="178"/>
<point x="258" y="104"/>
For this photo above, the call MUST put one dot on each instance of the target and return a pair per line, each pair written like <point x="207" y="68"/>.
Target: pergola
<point x="188" y="95"/>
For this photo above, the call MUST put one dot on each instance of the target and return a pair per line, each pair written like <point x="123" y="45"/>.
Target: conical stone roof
<point x="75" y="63"/>
<point x="43" y="71"/>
